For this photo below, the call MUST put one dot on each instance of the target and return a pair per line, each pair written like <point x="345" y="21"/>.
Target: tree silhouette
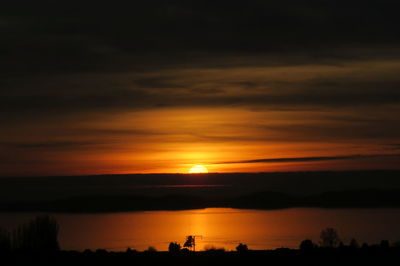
<point x="190" y="242"/>
<point x="329" y="238"/>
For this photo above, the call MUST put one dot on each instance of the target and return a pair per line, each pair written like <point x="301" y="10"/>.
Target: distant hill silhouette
<point x="372" y="198"/>
<point x="214" y="185"/>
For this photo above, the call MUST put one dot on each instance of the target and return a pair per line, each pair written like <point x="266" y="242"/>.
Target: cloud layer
<point x="156" y="77"/>
<point x="311" y="159"/>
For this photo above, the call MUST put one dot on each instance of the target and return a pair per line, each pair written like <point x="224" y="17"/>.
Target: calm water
<point x="219" y="227"/>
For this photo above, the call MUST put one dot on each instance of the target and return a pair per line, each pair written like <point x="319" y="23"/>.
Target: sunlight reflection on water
<point x="219" y="227"/>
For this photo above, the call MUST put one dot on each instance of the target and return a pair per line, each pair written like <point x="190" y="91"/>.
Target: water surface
<point x="219" y="227"/>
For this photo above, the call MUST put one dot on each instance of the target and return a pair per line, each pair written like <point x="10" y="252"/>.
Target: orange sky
<point x="172" y="140"/>
<point x="208" y="116"/>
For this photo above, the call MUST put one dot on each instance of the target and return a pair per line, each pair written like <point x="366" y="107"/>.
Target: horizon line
<point x="209" y="173"/>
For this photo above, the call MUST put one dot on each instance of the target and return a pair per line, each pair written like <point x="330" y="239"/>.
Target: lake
<point x="218" y="227"/>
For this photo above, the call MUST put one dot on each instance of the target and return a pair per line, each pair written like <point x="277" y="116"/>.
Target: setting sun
<point x="198" y="169"/>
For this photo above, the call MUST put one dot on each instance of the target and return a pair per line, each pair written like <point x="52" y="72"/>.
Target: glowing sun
<point x="198" y="169"/>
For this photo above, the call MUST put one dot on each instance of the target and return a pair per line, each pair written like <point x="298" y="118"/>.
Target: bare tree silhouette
<point x="329" y="238"/>
<point x="5" y="241"/>
<point x="39" y="234"/>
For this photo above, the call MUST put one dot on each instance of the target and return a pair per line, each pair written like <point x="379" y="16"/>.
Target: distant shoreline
<point x="145" y="192"/>
<point x="200" y="174"/>
<point x="266" y="200"/>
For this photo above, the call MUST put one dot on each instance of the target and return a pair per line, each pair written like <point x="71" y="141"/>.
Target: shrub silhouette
<point x="211" y="248"/>
<point x="384" y="244"/>
<point x="307" y="245"/>
<point x="174" y="247"/>
<point x="354" y="244"/>
<point x="130" y="251"/>
<point x="242" y="248"/>
<point x="185" y="250"/>
<point x="151" y="249"/>
<point x="329" y="238"/>
<point x="39" y="234"/>
<point x="101" y="251"/>
<point x="396" y="244"/>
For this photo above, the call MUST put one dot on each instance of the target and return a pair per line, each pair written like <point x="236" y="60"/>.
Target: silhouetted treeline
<point x="38" y="235"/>
<point x="371" y="198"/>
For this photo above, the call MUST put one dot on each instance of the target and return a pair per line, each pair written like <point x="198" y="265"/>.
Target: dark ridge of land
<point x="346" y="256"/>
<point x="372" y="198"/>
<point x="213" y="185"/>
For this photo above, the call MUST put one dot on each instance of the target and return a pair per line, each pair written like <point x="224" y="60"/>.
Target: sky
<point x="159" y="86"/>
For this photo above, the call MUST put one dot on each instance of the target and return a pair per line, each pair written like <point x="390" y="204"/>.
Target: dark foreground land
<point x="345" y="256"/>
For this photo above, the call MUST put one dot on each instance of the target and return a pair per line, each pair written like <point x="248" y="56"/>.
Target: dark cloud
<point x="107" y="92"/>
<point x="71" y="36"/>
<point x="50" y="105"/>
<point x="157" y="82"/>
<point x="310" y="159"/>
<point x="46" y="44"/>
<point x="47" y="144"/>
<point x="114" y="131"/>
<point x="395" y="146"/>
<point x="330" y="131"/>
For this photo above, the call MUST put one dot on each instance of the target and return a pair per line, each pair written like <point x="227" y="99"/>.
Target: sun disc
<point x="198" y="169"/>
